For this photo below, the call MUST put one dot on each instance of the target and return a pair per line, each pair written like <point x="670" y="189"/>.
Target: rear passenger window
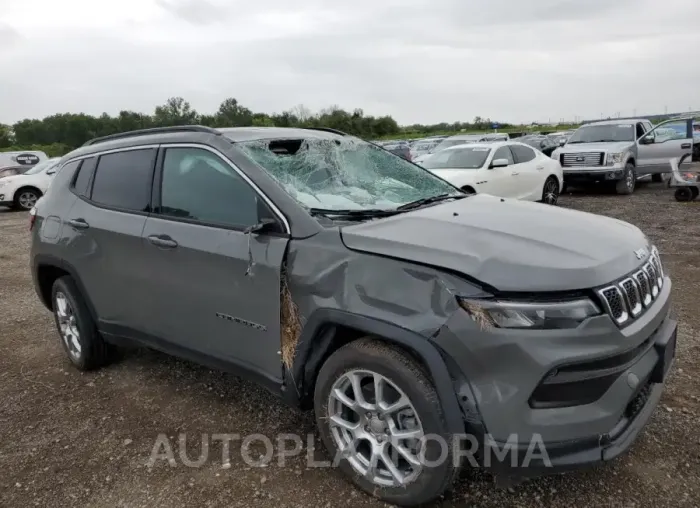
<point x="123" y="179"/>
<point x="82" y="180"/>
<point x="522" y="153"/>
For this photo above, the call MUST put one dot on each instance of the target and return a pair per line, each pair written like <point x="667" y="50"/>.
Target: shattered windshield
<point x="347" y="174"/>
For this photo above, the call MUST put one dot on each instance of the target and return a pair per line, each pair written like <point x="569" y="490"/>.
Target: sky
<point x="420" y="61"/>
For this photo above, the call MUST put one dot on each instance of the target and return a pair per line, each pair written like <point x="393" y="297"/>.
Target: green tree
<point x="232" y="114"/>
<point x="6" y="136"/>
<point x="175" y="111"/>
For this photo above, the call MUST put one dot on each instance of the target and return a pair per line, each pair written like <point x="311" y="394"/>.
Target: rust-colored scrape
<point x="290" y="324"/>
<point x="479" y="315"/>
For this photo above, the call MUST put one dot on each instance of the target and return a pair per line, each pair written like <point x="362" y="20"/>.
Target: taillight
<point x="32" y="218"/>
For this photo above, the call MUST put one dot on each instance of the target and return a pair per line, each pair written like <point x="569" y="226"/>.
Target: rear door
<point x="102" y="232"/>
<point x="671" y="139"/>
<point x="213" y="287"/>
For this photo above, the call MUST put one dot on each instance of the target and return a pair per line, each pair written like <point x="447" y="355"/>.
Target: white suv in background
<point x="23" y="191"/>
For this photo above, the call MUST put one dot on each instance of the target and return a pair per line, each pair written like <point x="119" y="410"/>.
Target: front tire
<point x="79" y="337"/>
<point x="550" y="191"/>
<point x="376" y="404"/>
<point x="628" y="182"/>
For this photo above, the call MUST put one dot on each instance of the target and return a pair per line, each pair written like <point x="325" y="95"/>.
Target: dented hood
<point x="507" y="244"/>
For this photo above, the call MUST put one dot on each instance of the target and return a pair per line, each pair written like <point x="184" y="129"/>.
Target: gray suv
<point x="411" y="317"/>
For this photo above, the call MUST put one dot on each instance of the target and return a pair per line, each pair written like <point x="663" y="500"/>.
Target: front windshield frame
<point x="356" y="175"/>
<point x="603" y="133"/>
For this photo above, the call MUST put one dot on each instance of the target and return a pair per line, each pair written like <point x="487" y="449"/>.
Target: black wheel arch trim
<point x="27" y="187"/>
<point x="316" y="338"/>
<point x="40" y="260"/>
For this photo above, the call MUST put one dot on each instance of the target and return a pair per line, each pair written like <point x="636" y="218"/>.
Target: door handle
<point x="515" y="173"/>
<point x="686" y="145"/>
<point x="540" y="168"/>
<point x="164" y="242"/>
<point x="79" y="223"/>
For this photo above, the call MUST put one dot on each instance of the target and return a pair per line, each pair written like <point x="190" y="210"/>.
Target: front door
<point x="500" y="181"/>
<point x="666" y="141"/>
<point x="213" y="287"/>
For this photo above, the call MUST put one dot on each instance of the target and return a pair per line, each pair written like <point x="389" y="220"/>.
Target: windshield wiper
<point x="353" y="214"/>
<point x="426" y="201"/>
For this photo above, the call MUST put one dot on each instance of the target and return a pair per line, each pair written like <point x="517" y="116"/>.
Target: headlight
<point x="615" y="158"/>
<point x="532" y="315"/>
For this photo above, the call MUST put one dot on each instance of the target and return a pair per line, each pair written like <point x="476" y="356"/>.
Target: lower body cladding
<point x="560" y="399"/>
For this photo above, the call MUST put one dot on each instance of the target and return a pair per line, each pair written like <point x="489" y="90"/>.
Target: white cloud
<point x="418" y="60"/>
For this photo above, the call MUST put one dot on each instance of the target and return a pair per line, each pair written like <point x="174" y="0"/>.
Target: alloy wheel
<point x="27" y="200"/>
<point x="551" y="192"/>
<point x="629" y="179"/>
<point x="376" y="428"/>
<point x="68" y="326"/>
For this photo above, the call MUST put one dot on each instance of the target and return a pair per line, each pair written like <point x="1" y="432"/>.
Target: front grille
<point x="585" y="159"/>
<point x="629" y="297"/>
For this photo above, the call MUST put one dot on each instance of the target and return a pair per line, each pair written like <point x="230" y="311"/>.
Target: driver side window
<point x="669" y="132"/>
<point x="197" y="185"/>
<point x="504" y="153"/>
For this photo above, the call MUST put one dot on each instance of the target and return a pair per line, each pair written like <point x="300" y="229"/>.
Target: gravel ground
<point x="72" y="439"/>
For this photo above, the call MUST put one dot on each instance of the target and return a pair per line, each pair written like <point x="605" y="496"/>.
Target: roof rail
<point x="326" y="129"/>
<point x="154" y="130"/>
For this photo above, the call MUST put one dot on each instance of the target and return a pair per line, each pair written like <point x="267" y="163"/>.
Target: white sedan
<point x="507" y="169"/>
<point x="23" y="191"/>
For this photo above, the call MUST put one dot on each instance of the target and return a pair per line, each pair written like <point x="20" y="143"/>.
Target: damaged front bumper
<point x="621" y="373"/>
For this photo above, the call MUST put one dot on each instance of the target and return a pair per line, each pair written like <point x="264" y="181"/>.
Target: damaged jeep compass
<point x="426" y="328"/>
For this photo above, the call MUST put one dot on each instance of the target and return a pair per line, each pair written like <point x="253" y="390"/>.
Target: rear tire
<point x="629" y="179"/>
<point x="550" y="191"/>
<point x="360" y="364"/>
<point x="25" y="199"/>
<point x="79" y="336"/>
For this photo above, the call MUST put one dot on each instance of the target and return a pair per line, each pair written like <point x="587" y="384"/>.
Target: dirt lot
<point x="72" y="439"/>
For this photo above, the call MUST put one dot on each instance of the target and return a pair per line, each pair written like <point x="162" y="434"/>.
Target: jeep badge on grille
<point x="641" y="253"/>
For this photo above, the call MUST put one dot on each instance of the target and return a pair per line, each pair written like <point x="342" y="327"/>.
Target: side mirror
<point x="646" y="141"/>
<point x="562" y="141"/>
<point x="499" y="163"/>
<point x="265" y="225"/>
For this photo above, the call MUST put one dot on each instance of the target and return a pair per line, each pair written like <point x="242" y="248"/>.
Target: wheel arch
<point x="47" y="269"/>
<point x="328" y="329"/>
<point x="26" y="187"/>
